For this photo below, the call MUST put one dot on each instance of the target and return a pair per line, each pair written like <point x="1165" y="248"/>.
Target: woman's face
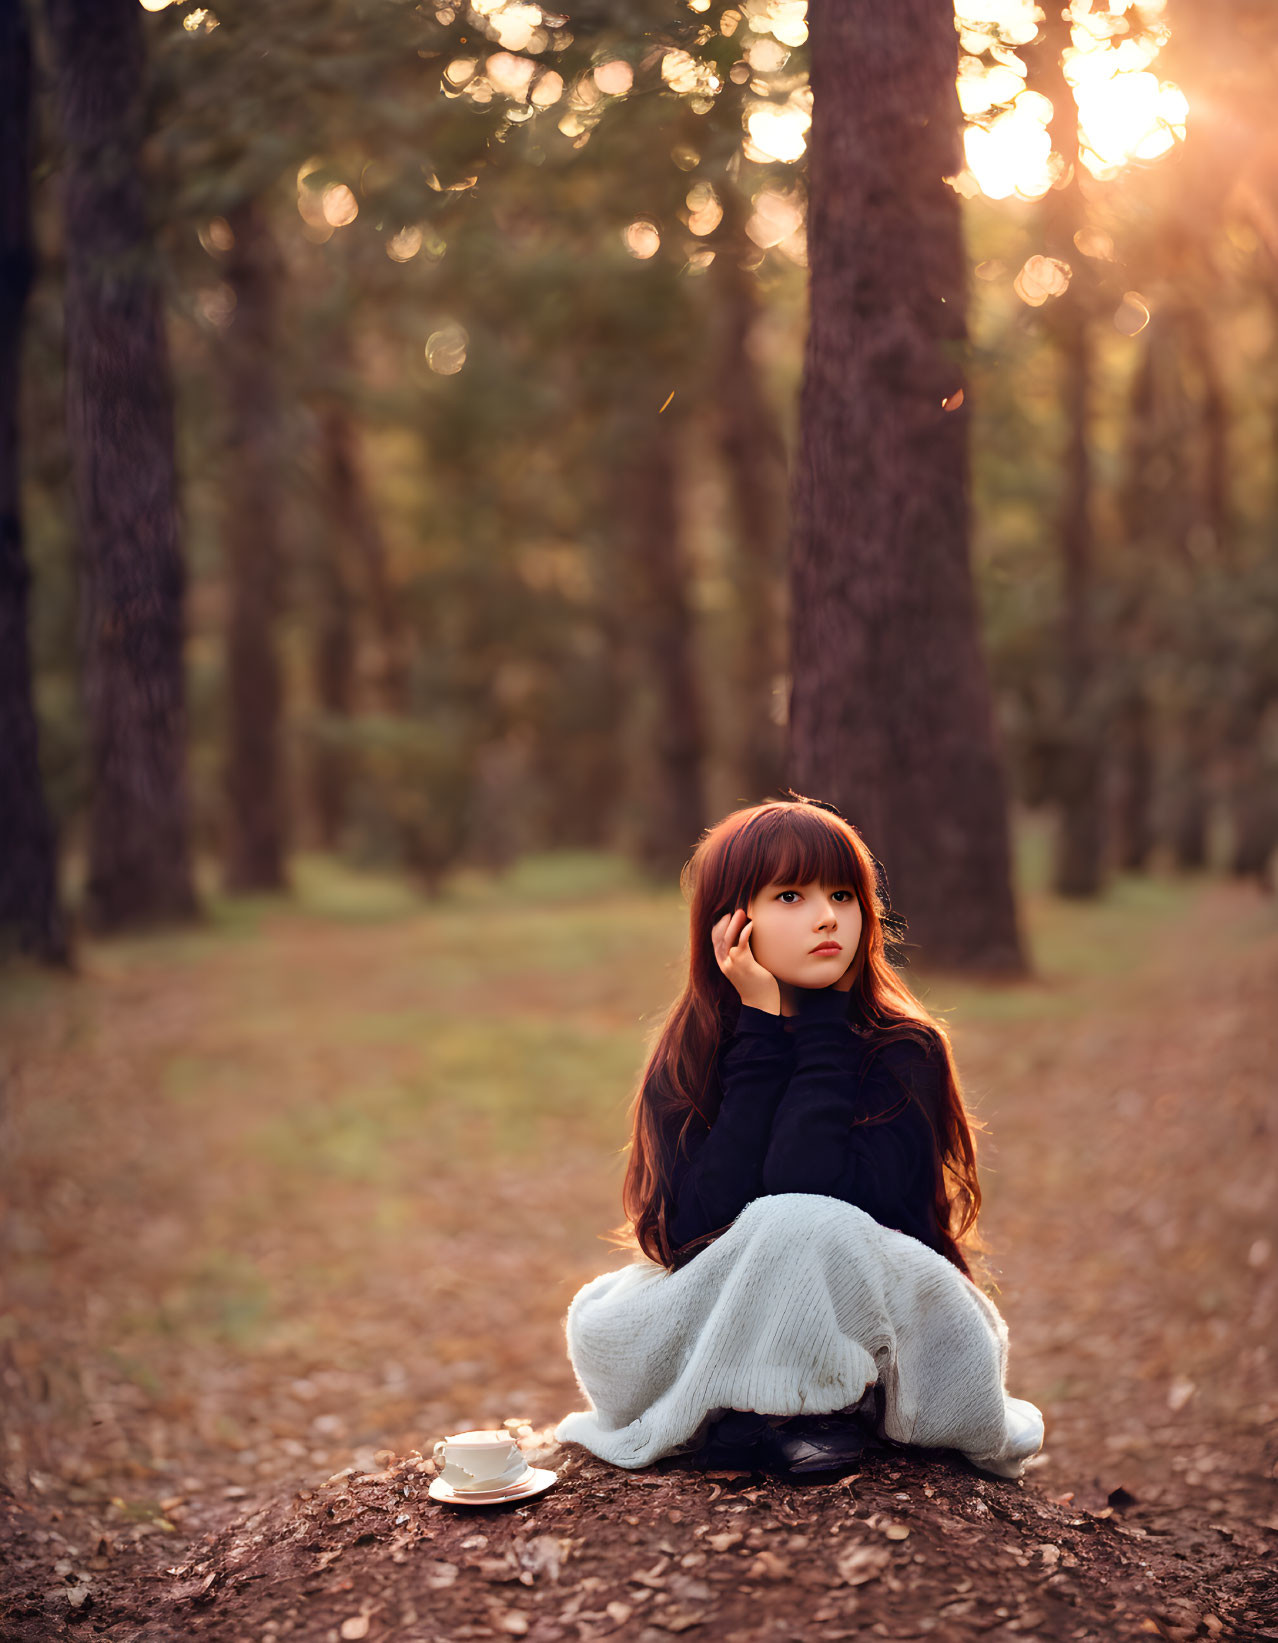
<point x="793" y="921"/>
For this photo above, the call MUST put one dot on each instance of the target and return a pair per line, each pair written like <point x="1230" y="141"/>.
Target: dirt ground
<point x="222" y="1366"/>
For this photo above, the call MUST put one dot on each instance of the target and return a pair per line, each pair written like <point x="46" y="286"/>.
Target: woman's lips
<point x="828" y="951"/>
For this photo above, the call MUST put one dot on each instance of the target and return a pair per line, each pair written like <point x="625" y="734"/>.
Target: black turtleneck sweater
<point x="792" y="1090"/>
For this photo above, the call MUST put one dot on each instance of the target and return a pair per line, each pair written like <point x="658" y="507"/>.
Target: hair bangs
<point x="802" y="847"/>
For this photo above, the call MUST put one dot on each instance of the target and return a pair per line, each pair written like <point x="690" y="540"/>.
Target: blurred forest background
<point x="485" y="331"/>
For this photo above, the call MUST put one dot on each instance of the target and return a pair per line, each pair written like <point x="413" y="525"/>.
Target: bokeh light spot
<point x="642" y="238"/>
<point x="1132" y="314"/>
<point x="339" y="205"/>
<point x="1041" y="278"/>
<point x="446" y="349"/>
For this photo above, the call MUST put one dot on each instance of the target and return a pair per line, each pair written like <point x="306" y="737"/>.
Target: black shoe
<point x="733" y="1442"/>
<point x="814" y="1443"/>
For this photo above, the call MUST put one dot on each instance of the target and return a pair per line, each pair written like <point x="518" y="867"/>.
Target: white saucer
<point x="534" y="1481"/>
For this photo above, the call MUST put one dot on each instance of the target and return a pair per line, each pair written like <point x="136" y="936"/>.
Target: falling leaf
<point x="952" y="401"/>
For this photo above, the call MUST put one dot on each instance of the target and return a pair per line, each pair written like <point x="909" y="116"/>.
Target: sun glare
<point x="1125" y="112"/>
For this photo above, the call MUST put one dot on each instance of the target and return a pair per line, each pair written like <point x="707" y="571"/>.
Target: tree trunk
<point x="254" y="452"/>
<point x="120" y="433"/>
<point x="1141" y="500"/>
<point x="1252" y="787"/>
<point x="1191" y="792"/>
<point x="657" y="577"/>
<point x="334" y="635"/>
<point x="891" y="713"/>
<point x="357" y="525"/>
<point x="1078" y="869"/>
<point x="30" y="915"/>
<point x="754" y="457"/>
<point x="1134" y="768"/>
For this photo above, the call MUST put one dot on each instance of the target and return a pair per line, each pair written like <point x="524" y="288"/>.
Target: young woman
<point x="801" y="1187"/>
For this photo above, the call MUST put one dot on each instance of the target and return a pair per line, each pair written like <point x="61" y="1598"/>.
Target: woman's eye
<point x="851" y="895"/>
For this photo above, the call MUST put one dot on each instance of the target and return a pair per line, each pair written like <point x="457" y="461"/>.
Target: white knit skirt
<point x="800" y="1306"/>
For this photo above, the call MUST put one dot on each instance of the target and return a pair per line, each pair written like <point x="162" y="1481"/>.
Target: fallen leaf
<point x="354" y="1628"/>
<point x="863" y="1562"/>
<point x="542" y="1555"/>
<point x="498" y="1568"/>
<point x="619" y="1611"/>
<point x="678" y="1620"/>
<point x="513" y="1622"/>
<point x="1179" y="1393"/>
<point x="721" y="1542"/>
<point x="654" y="1577"/>
<point x="897" y="1531"/>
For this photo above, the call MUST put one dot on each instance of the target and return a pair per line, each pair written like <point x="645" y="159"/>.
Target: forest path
<point x="268" y="1215"/>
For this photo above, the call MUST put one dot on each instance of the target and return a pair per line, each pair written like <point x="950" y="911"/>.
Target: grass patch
<point x="223" y="1299"/>
<point x="480" y="1090"/>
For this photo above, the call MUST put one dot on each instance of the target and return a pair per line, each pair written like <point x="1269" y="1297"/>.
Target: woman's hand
<point x="758" y="987"/>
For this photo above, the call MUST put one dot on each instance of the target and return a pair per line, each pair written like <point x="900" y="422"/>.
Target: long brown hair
<point x="784" y="842"/>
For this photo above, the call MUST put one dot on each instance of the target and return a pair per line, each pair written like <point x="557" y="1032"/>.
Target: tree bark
<point x="31" y="917"/>
<point x="755" y="461"/>
<point x="120" y="433"/>
<point x="891" y="713"/>
<point x="255" y="789"/>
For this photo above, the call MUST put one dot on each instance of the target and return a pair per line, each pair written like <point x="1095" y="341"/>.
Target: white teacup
<point x="479" y="1461"/>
